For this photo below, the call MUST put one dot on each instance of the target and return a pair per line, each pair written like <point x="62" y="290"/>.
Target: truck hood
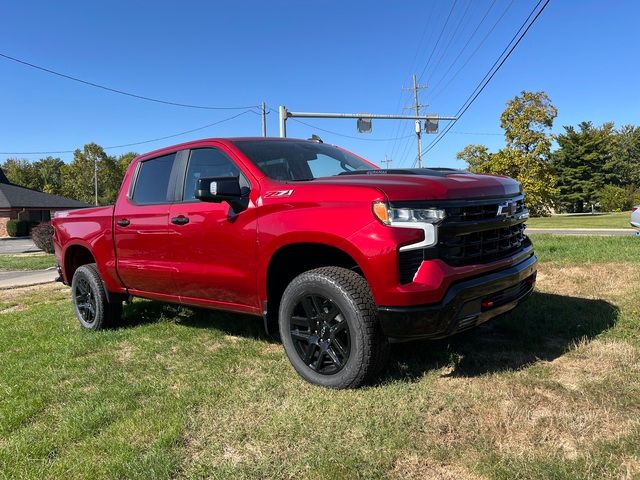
<point x="427" y="184"/>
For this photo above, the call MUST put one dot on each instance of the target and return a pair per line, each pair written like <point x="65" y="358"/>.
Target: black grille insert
<point x="482" y="246"/>
<point x="409" y="263"/>
<point x="473" y="232"/>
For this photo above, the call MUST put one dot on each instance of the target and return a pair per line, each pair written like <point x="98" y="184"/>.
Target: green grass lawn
<point x="586" y="249"/>
<point x="31" y="261"/>
<point x="605" y="220"/>
<point x="549" y="391"/>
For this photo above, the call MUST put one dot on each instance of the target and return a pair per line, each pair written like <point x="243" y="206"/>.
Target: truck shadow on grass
<point x="544" y="327"/>
<point x="142" y="312"/>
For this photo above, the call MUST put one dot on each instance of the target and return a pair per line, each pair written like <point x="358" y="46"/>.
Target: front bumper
<point x="465" y="305"/>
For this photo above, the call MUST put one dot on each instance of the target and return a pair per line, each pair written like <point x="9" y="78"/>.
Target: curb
<point x="27" y="285"/>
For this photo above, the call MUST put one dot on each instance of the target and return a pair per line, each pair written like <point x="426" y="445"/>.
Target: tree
<point x="476" y="156"/>
<point x="78" y="176"/>
<point x="526" y="120"/>
<point x="22" y="172"/>
<point x="124" y="161"/>
<point x="49" y="170"/>
<point x="581" y="164"/>
<point x="623" y="167"/>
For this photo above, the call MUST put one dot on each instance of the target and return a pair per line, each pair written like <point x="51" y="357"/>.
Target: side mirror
<point x="223" y="189"/>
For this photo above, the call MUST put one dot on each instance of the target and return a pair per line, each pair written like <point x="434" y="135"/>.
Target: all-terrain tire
<point x="349" y="293"/>
<point x="90" y="301"/>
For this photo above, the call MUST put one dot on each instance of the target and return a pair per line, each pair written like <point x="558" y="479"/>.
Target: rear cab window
<point x="153" y="181"/>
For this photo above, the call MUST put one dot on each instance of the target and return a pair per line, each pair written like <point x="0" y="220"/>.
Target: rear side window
<point x="152" y="185"/>
<point x="207" y="162"/>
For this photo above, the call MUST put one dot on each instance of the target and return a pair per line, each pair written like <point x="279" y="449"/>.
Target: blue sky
<point x="310" y="56"/>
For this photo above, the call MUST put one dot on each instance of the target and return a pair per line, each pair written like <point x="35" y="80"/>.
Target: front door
<point x="213" y="249"/>
<point x="141" y="227"/>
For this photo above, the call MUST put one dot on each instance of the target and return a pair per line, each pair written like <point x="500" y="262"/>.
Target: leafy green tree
<point x="581" y="163"/>
<point x="615" y="199"/>
<point x="623" y="167"/>
<point x="526" y="120"/>
<point x="124" y="161"/>
<point x="78" y="175"/>
<point x="22" y="172"/>
<point x="49" y="170"/>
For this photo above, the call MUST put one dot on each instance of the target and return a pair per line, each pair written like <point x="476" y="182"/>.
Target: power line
<point x="455" y="75"/>
<point x="478" y="133"/>
<point x="121" y="92"/>
<point x="492" y="71"/>
<point x="451" y="38"/>
<point x="398" y="131"/>
<point x="486" y="13"/>
<point x="346" y="136"/>
<point x="136" y="143"/>
<point x="438" y="41"/>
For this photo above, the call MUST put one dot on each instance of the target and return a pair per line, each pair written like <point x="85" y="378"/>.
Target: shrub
<point x="614" y="199"/>
<point x="17" y="228"/>
<point x="42" y="236"/>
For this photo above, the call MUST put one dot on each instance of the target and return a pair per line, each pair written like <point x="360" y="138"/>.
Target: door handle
<point x="180" y="220"/>
<point x="123" y="222"/>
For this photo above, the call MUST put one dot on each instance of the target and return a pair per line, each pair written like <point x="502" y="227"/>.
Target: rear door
<point x="213" y="249"/>
<point x="141" y="226"/>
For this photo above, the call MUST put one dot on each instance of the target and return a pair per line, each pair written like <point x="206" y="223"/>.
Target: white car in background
<point x="635" y="218"/>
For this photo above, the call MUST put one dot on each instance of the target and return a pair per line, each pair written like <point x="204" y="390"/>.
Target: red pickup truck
<point x="337" y="254"/>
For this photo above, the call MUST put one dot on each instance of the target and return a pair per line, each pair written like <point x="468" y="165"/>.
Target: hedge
<point x="42" y="236"/>
<point x="17" y="228"/>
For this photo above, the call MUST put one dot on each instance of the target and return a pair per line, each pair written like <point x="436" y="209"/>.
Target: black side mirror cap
<point x="223" y="189"/>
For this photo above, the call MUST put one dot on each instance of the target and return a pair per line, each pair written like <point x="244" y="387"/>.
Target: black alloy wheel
<point x="320" y="334"/>
<point x="329" y="328"/>
<point x="85" y="301"/>
<point x="93" y="306"/>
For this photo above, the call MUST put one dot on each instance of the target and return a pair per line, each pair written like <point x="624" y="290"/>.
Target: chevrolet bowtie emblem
<point x="507" y="209"/>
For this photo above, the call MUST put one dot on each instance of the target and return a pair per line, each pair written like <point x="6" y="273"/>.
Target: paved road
<point x="17" y="245"/>
<point x="24" y="279"/>
<point x="600" y="232"/>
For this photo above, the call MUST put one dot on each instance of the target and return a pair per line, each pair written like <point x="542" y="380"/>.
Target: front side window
<point x="300" y="160"/>
<point x="207" y="162"/>
<point x="152" y="184"/>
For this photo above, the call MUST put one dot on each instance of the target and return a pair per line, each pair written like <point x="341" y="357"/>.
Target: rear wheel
<point x="90" y="301"/>
<point x="329" y="328"/>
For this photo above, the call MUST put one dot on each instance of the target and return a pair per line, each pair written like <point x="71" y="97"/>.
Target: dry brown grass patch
<point x="416" y="467"/>
<point x="519" y="416"/>
<point x="35" y="293"/>
<point x="596" y="361"/>
<point x="606" y="280"/>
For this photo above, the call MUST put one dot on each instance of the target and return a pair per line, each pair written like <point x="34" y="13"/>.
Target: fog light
<point x="486" y="303"/>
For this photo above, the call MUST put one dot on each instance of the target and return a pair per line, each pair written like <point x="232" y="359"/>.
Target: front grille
<point x="473" y="232"/>
<point x="483" y="246"/>
<point x="484" y="211"/>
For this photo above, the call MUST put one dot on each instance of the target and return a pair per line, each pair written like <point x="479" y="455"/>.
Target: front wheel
<point x="329" y="328"/>
<point x="90" y="302"/>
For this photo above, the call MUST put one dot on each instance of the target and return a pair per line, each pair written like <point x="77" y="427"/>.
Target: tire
<point x="329" y="328"/>
<point x="90" y="302"/>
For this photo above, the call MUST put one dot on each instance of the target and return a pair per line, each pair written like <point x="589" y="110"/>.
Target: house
<point x="21" y="203"/>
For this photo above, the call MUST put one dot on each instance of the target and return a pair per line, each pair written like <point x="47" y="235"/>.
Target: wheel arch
<point x="290" y="260"/>
<point x="75" y="256"/>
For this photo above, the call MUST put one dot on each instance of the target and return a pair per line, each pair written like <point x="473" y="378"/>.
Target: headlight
<point x="419" y="218"/>
<point x="400" y="217"/>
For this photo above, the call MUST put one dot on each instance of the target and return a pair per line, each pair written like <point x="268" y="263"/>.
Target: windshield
<point x="300" y="160"/>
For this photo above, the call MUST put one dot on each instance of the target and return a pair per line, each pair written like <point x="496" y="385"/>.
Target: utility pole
<point x="95" y="177"/>
<point x="416" y="105"/>
<point x="264" y="119"/>
<point x="386" y="161"/>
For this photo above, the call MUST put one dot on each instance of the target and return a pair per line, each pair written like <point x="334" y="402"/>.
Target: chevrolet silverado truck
<point x="341" y="256"/>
